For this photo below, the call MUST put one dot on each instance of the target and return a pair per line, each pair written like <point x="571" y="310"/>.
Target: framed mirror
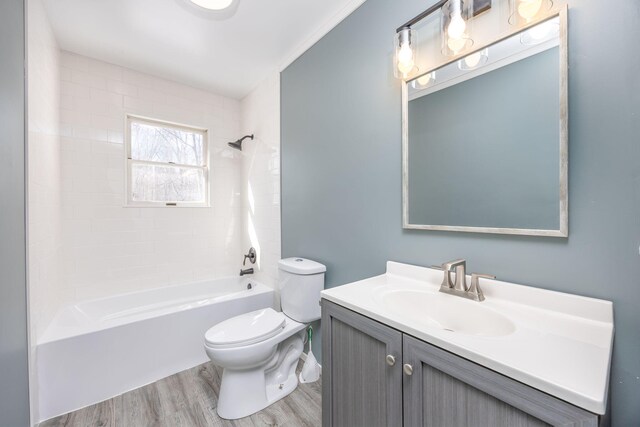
<point x="485" y="137"/>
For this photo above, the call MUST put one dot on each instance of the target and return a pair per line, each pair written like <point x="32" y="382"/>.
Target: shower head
<point x="238" y="144"/>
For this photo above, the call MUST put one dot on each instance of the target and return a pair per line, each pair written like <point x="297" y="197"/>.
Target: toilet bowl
<point x="259" y="351"/>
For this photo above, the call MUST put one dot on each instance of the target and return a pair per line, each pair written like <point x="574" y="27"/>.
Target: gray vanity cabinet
<point x="445" y="390"/>
<point x="361" y="386"/>
<point x="423" y="386"/>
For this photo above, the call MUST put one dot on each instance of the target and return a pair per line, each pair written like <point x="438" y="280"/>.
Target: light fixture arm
<point x="421" y="16"/>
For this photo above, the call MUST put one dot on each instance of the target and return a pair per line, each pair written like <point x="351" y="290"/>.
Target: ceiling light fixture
<point x="212" y="4"/>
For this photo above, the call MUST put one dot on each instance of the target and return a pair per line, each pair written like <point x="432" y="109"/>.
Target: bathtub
<point x="98" y="349"/>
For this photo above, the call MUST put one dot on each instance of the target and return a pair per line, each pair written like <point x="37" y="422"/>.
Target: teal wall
<point x="14" y="377"/>
<point x="341" y="177"/>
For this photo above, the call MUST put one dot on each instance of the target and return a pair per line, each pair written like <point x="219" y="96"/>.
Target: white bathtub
<point x="98" y="349"/>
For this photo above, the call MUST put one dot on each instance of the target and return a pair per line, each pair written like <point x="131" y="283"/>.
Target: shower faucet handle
<point x="252" y="256"/>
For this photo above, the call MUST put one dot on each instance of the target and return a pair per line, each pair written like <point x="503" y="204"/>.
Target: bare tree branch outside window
<point x="167" y="163"/>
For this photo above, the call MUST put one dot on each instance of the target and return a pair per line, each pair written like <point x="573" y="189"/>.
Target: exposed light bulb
<point x="457" y="26"/>
<point x="426" y="79"/>
<point x="472" y="61"/>
<point x="456" y="40"/>
<point x="539" y="33"/>
<point x="405" y="54"/>
<point x="456" y="45"/>
<point x="528" y="9"/>
<point x="405" y="58"/>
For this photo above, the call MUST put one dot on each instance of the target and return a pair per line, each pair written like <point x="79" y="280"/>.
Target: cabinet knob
<point x="408" y="369"/>
<point x="390" y="360"/>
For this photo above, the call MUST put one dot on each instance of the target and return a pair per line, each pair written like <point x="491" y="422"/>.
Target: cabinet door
<point x="360" y="385"/>
<point x="445" y="390"/>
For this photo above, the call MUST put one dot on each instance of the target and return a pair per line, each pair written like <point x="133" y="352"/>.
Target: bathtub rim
<point x="49" y="337"/>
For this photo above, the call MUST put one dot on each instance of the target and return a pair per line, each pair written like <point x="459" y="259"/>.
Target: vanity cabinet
<point x="374" y="375"/>
<point x="364" y="385"/>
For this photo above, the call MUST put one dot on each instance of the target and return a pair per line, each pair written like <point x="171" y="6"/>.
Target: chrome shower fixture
<point x="238" y="144"/>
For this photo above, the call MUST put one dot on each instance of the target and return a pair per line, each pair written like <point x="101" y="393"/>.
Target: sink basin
<point x="446" y="312"/>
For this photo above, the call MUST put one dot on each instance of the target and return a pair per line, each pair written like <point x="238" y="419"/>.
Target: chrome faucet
<point x="247" y="271"/>
<point x="251" y="256"/>
<point x="460" y="266"/>
<point x="460" y="288"/>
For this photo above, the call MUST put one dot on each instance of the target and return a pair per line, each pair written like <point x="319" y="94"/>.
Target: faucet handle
<point x="251" y="256"/>
<point x="474" y="288"/>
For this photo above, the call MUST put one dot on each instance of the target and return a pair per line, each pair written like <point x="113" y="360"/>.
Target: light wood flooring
<point x="189" y="399"/>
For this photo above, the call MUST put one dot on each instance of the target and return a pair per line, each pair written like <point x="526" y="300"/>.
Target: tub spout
<point x="247" y="271"/>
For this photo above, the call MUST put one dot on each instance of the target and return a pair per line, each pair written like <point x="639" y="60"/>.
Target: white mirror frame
<point x="563" y="230"/>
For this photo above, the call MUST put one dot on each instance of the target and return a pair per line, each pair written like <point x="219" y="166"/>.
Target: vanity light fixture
<point x="524" y="11"/>
<point x="405" y="53"/>
<point x="456" y="26"/>
<point x="474" y="60"/>
<point x="455" y="32"/>
<point x="213" y="4"/>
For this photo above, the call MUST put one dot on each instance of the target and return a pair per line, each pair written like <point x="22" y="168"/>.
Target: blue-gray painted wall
<point x="341" y="171"/>
<point x="14" y="377"/>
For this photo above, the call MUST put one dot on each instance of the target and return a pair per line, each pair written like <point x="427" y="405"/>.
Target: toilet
<point x="259" y="351"/>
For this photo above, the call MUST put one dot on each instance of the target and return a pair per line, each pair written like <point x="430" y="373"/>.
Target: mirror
<point x="485" y="138"/>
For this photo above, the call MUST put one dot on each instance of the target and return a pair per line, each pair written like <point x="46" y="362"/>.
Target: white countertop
<point x="561" y="343"/>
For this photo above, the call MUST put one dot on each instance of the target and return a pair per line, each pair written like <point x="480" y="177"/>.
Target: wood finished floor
<point x="189" y="399"/>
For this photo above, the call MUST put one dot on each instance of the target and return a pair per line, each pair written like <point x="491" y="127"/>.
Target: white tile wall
<point x="111" y="249"/>
<point x="44" y="233"/>
<point x="44" y="184"/>
<point x="261" y="176"/>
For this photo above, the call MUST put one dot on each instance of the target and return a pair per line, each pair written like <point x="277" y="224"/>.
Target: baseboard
<point x="303" y="357"/>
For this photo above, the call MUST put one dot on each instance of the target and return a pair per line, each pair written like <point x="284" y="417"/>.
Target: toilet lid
<point x="245" y="329"/>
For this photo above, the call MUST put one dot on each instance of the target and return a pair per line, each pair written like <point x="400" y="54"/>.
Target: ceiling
<point x="229" y="55"/>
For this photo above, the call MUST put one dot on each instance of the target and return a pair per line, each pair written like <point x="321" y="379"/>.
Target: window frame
<point x="129" y="162"/>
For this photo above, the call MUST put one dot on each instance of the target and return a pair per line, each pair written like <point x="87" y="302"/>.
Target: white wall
<point x="261" y="176"/>
<point x="43" y="163"/>
<point x="111" y="249"/>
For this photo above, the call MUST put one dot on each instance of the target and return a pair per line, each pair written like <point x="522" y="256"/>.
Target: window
<point x="167" y="164"/>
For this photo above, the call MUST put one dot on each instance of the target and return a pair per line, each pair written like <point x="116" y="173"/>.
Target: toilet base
<point x="245" y="392"/>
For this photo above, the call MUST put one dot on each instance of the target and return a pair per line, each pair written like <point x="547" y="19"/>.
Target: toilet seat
<point x="246" y="329"/>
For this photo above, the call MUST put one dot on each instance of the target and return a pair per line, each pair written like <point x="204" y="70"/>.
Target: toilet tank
<point x="301" y="281"/>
